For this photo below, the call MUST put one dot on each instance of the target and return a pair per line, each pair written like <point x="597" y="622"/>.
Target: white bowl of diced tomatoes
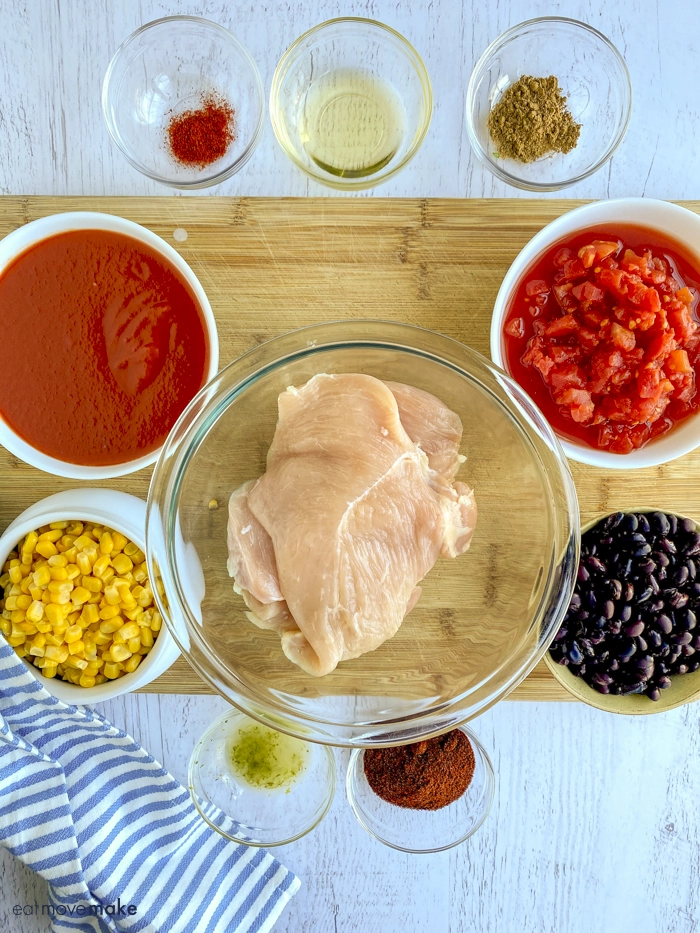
<point x="597" y="318"/>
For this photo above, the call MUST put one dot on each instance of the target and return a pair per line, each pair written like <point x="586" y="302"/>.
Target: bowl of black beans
<point x="630" y="640"/>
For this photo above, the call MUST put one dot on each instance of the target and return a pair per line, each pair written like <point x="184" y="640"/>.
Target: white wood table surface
<point x="596" y="822"/>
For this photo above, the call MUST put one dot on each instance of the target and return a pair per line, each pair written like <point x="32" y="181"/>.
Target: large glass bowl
<point x="483" y="620"/>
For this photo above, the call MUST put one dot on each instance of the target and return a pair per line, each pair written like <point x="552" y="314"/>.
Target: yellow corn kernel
<point x="25" y="568"/>
<point x="4" y="579"/>
<point x="110" y="626"/>
<point x="75" y="528"/>
<point x="52" y="639"/>
<point x="129" y="603"/>
<point x="73" y="633"/>
<point x="21" y="651"/>
<point x="35" y="610"/>
<point x="5" y="626"/>
<point x="49" y="670"/>
<point x="11" y="603"/>
<point x="16" y="640"/>
<point x="94" y="664"/>
<point x="79" y="663"/>
<point x="106" y="543"/>
<point x="36" y="651"/>
<point x="90" y="649"/>
<point x="90" y="613"/>
<point x="28" y="628"/>
<point x="59" y="574"/>
<point x="57" y="653"/>
<point x="132" y="614"/>
<point x="30" y="541"/>
<point x="83" y="562"/>
<point x="86" y="680"/>
<point x="157" y="622"/>
<point x="51" y="536"/>
<point x="58" y="560"/>
<point x="60" y="586"/>
<point x="100" y="679"/>
<point x="132" y="663"/>
<point x="80" y="595"/>
<point x="46" y="549"/>
<point x="119" y="653"/>
<point x="119" y="542"/>
<point x="45" y="596"/>
<point x="95" y="598"/>
<point x="146" y="636"/>
<point x="134" y="644"/>
<point x="71" y="554"/>
<point x="107" y="576"/>
<point x="72" y="571"/>
<point x="77" y="647"/>
<point x="23" y="602"/>
<point x="102" y="638"/>
<point x="42" y="576"/>
<point x="53" y="614"/>
<point x="111" y="671"/>
<point x="92" y="584"/>
<point x="60" y="525"/>
<point x="18" y="616"/>
<point x="100" y="565"/>
<point x="141" y="574"/>
<point x="84" y="541"/>
<point x="39" y="640"/>
<point x="130" y="549"/>
<point x="16" y="574"/>
<point x="130" y="630"/>
<point x="25" y="585"/>
<point x="109" y="612"/>
<point x="35" y="592"/>
<point x="122" y="563"/>
<point x="14" y="590"/>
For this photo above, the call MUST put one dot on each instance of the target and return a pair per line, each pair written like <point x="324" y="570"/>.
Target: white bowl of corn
<point x="76" y="601"/>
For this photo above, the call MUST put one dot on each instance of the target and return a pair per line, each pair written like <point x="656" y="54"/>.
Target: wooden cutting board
<point x="272" y="265"/>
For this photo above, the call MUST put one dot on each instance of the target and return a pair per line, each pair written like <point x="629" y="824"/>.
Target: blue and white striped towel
<point x="82" y="804"/>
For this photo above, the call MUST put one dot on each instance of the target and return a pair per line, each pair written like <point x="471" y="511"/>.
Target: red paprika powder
<point x="199" y="137"/>
<point x="426" y="775"/>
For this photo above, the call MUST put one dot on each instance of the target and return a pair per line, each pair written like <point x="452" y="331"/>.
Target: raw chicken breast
<point x="329" y="545"/>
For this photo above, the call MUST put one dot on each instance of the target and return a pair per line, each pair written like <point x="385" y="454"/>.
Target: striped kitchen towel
<point x="116" y="836"/>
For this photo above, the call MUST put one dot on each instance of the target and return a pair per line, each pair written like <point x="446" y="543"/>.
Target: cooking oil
<point x="352" y="123"/>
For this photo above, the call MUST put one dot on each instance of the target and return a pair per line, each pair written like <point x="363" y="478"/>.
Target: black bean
<point x="648" y="566"/>
<point x="654" y="584"/>
<point x="664" y="624"/>
<point x="687" y="619"/>
<point x="641" y="643"/>
<point x="601" y="688"/>
<point x="664" y="683"/>
<point x="603" y="680"/>
<point x="575" y="601"/>
<point x="654" y="694"/>
<point x="575" y="655"/>
<point x="629" y="522"/>
<point x="673" y="523"/>
<point x="587" y="647"/>
<point x="668" y="545"/>
<point x="654" y="639"/>
<point x="561" y="634"/>
<point x="678" y="600"/>
<point x="589" y="600"/>
<point x="615" y="627"/>
<point x="616" y="588"/>
<point x="638" y="687"/>
<point x="660" y="523"/>
<point x="627" y="652"/>
<point x="643" y="523"/>
<point x="693" y="545"/>
<point x="642" y="550"/>
<point x="691" y="568"/>
<point x="583" y="574"/>
<point x="600" y="622"/>
<point x="645" y="594"/>
<point x="694" y="666"/>
<point x="662" y="559"/>
<point x="626" y="613"/>
<point x="657" y="606"/>
<point x="629" y="592"/>
<point x="596" y="564"/>
<point x="681" y="575"/>
<point x="687" y="525"/>
<point x="681" y="638"/>
<point x="614" y="665"/>
<point x="634" y="628"/>
<point x="612" y="521"/>
<point x="687" y="651"/>
<point x="608" y="609"/>
<point x="682" y="669"/>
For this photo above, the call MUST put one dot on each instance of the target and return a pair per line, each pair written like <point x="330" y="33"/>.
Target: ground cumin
<point x="531" y="120"/>
<point x="427" y="775"/>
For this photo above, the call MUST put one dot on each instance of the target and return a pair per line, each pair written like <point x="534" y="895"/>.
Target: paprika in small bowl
<point x="425" y="797"/>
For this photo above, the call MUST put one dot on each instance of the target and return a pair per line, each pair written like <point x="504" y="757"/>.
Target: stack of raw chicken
<point x="359" y="499"/>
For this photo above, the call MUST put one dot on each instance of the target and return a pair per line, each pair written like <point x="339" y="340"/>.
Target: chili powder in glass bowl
<point x="429" y="813"/>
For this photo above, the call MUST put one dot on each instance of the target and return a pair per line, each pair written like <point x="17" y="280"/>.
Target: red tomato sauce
<point x="103" y="346"/>
<point x="603" y="334"/>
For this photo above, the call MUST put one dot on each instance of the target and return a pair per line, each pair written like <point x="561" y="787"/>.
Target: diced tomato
<point x="563" y="295"/>
<point x="567" y="376"/>
<point x="562" y="326"/>
<point x="613" y="280"/>
<point x="651" y="301"/>
<point x="678" y="362"/>
<point x="649" y="383"/>
<point x="660" y="346"/>
<point x="536" y="287"/>
<point x="565" y="354"/>
<point x="685" y="295"/>
<point x="574" y="269"/>
<point x="516" y="327"/>
<point x="579" y="403"/>
<point x="622" y="338"/>
<point x="680" y="320"/>
<point x="587" y="291"/>
<point x="563" y="256"/>
<point x="587" y="256"/>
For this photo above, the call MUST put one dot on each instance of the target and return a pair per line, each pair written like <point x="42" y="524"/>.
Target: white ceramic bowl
<point x="124" y="513"/>
<point x="24" y="237"/>
<point x="674" y="221"/>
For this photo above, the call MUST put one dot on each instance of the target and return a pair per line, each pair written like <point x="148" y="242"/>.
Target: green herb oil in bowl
<point x="265" y="759"/>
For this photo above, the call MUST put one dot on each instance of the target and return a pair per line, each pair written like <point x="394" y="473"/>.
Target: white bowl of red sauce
<point x="597" y="319"/>
<point x="107" y="336"/>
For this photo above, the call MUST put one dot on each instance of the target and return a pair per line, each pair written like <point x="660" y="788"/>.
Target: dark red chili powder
<point x="426" y="775"/>
<point x="200" y="137"/>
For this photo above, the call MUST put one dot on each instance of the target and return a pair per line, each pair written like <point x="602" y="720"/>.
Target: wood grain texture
<point x="272" y="265"/>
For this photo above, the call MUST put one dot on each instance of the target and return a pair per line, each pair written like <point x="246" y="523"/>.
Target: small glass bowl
<point x="423" y="831"/>
<point x="248" y="815"/>
<point x="357" y="45"/>
<point x="593" y="77"/>
<point x="166" y="68"/>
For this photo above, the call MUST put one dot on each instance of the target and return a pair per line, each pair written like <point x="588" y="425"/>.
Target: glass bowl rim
<point x="490" y="774"/>
<point x="182" y="445"/>
<point x="205" y="181"/>
<point x="499" y="42"/>
<point x="280" y="75"/>
<point x="330" y="785"/>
